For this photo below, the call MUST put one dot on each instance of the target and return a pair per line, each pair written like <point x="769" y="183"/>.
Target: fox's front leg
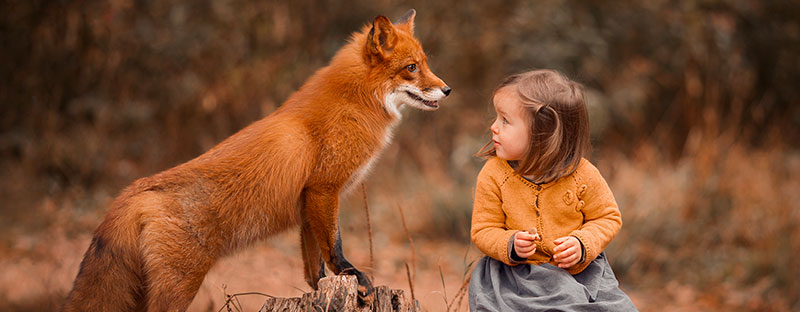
<point x="312" y="259"/>
<point x="321" y="213"/>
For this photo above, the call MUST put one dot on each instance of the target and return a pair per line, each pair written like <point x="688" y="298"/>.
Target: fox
<point x="163" y="233"/>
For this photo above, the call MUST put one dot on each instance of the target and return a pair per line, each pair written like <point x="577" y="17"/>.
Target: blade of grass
<point x="369" y="230"/>
<point x="410" y="242"/>
<point x="410" y="283"/>
<point x="444" y="287"/>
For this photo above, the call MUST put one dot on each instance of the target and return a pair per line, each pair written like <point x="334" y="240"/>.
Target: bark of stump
<point x="339" y="293"/>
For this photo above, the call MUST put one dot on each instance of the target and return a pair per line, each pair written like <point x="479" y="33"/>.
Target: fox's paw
<point x="365" y="288"/>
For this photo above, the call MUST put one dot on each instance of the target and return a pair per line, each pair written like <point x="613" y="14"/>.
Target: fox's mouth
<point x="431" y="104"/>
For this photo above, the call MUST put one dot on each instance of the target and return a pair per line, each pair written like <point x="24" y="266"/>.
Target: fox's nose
<point x="446" y="90"/>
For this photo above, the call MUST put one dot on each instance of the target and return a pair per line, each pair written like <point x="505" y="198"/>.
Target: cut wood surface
<point x="339" y="293"/>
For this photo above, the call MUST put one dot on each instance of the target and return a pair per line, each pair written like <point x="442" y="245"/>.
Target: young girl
<point x="542" y="214"/>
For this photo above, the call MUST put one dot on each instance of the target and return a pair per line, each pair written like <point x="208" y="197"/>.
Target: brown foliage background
<point x="694" y="111"/>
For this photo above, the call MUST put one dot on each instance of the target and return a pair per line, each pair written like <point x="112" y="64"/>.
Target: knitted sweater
<point x="579" y="205"/>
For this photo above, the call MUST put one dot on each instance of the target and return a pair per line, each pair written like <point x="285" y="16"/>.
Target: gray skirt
<point x="496" y="286"/>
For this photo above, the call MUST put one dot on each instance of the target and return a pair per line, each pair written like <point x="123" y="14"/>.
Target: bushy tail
<point x="110" y="277"/>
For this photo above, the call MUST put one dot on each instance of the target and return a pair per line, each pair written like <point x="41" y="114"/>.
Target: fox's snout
<point x="425" y="99"/>
<point x="445" y="91"/>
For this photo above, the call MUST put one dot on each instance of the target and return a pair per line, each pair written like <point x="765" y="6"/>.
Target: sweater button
<point x="568" y="198"/>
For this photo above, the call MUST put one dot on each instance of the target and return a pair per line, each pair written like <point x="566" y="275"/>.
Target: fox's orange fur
<point x="164" y="232"/>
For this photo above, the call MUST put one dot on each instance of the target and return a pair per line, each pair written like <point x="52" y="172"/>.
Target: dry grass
<point x="715" y="231"/>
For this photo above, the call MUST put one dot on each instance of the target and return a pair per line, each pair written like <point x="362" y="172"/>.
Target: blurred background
<point x="693" y="106"/>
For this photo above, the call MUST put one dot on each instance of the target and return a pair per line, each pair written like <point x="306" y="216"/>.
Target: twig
<point x="460" y="295"/>
<point x="466" y="279"/>
<point x="299" y="289"/>
<point x="234" y="296"/>
<point x="410" y="283"/>
<point x="410" y="241"/>
<point x="464" y="287"/>
<point x="444" y="287"/>
<point x="466" y="252"/>
<point x="227" y="297"/>
<point x="227" y="303"/>
<point x="237" y="304"/>
<point x="369" y="230"/>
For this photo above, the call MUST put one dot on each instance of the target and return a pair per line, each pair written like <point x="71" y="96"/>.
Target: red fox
<point x="164" y="232"/>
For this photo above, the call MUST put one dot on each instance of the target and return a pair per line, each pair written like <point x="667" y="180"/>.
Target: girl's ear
<point x="407" y="21"/>
<point x="382" y="38"/>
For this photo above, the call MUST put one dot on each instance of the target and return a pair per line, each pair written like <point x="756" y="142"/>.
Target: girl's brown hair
<point x="558" y="120"/>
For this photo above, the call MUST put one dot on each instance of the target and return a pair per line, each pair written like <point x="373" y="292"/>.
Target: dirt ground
<point x="37" y="280"/>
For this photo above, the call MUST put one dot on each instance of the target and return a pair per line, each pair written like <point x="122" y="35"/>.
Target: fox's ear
<point x="407" y="20"/>
<point x="382" y="37"/>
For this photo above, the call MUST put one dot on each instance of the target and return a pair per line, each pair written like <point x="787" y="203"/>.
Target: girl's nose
<point x="495" y="130"/>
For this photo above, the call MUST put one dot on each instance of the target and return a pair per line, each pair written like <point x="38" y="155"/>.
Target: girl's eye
<point x="412" y="68"/>
<point x="505" y="121"/>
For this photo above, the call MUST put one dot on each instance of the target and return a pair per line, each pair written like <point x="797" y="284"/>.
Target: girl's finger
<point x="523" y="243"/>
<point x="568" y="252"/>
<point x="564" y="266"/>
<point x="561" y="248"/>
<point x="569" y="258"/>
<point x="568" y="262"/>
<point x="522" y="247"/>
<point x="560" y="240"/>
<point x="571" y="263"/>
<point x="522" y="235"/>
<point x="564" y="255"/>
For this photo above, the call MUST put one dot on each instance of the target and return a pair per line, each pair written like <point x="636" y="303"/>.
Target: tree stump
<point x="339" y="293"/>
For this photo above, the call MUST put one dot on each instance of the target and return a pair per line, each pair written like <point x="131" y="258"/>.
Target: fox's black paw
<point x="365" y="288"/>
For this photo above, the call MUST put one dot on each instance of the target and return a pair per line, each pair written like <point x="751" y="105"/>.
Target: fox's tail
<point x="110" y="276"/>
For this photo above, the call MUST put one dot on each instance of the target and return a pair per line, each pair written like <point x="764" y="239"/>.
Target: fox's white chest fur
<point x="365" y="168"/>
<point x="394" y="102"/>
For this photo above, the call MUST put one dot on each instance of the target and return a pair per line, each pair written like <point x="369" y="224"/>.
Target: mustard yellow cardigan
<point x="579" y="205"/>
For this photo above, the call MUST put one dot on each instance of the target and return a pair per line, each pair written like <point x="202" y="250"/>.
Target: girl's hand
<point x="567" y="251"/>
<point x="525" y="243"/>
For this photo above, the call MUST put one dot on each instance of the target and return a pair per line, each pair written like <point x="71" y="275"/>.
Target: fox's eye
<point x="412" y="68"/>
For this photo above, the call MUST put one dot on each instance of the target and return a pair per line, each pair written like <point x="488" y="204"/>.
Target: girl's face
<point x="511" y="129"/>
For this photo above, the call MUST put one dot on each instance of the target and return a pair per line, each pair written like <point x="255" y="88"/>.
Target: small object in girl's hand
<point x="535" y="234"/>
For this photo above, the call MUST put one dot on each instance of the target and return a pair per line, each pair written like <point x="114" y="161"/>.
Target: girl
<point x="542" y="214"/>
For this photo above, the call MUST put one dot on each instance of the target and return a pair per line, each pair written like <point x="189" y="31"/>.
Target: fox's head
<point x="396" y="57"/>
